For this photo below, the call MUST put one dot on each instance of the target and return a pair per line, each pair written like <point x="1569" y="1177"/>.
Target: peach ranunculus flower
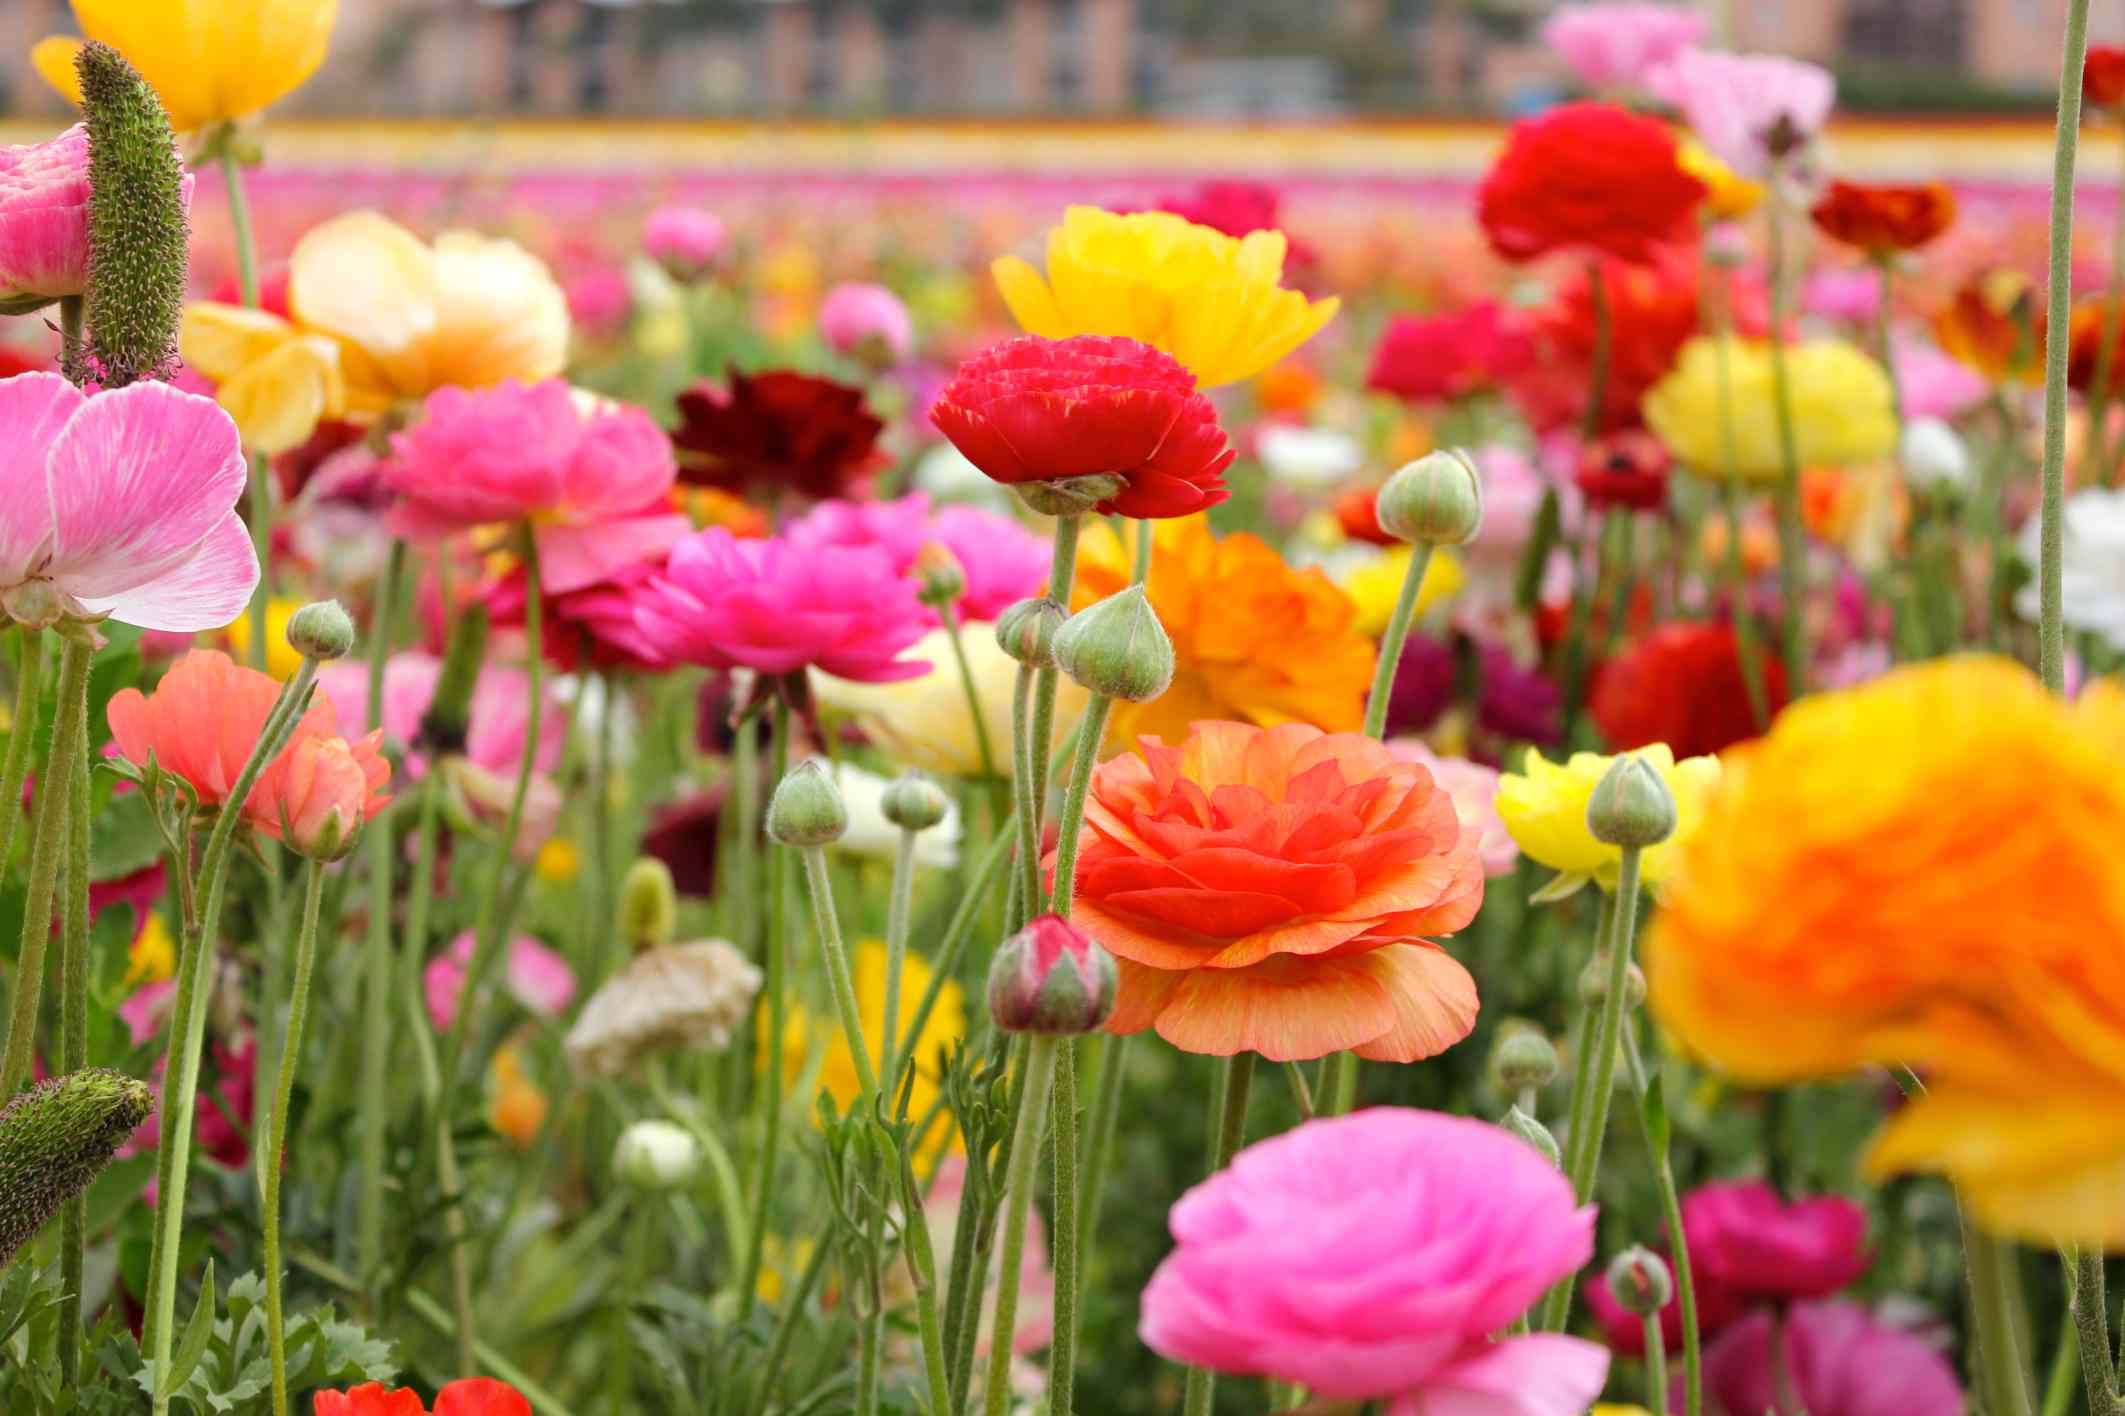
<point x="1268" y="889"/>
<point x="323" y="790"/>
<point x="1228" y="603"/>
<point x="210" y="61"/>
<point x="1923" y="872"/>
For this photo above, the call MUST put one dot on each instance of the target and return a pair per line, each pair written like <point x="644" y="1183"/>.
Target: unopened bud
<point x="939" y="577"/>
<point x="649" y="905"/>
<point x="1069" y="496"/>
<point x="1051" y="977"/>
<point x="1528" y="1129"/>
<point x="1117" y="648"/>
<point x="1435" y="501"/>
<point x="54" y="1139"/>
<point x="1631" y="805"/>
<point x="807" y="809"/>
<point x="138" y="195"/>
<point x="1523" y="1059"/>
<point x="915" y="803"/>
<point x="322" y="631"/>
<point x="1594" y="983"/>
<point x="1026" y="631"/>
<point x="656" y="1155"/>
<point x="1640" y="1281"/>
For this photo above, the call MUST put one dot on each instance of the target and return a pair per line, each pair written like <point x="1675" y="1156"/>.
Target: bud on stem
<point x="54" y="1139"/>
<point x="137" y="226"/>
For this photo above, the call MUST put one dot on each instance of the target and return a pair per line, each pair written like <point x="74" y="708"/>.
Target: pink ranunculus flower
<point x="494" y="738"/>
<point x="123" y="505"/>
<point x="1734" y="102"/>
<point x="592" y="477"/>
<point x="1003" y="561"/>
<point x="779" y="607"/>
<point x="538" y="978"/>
<point x="1934" y="383"/>
<point x="1849" y="294"/>
<point x="867" y="321"/>
<point x="1375" y="1255"/>
<point x="686" y="241"/>
<point x="1745" y="1236"/>
<point x="1839" y="1360"/>
<point x="44" y="221"/>
<point x="1474" y="789"/>
<point x="1616" y="46"/>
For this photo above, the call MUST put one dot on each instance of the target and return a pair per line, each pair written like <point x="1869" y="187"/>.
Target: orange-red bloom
<point x="1883" y="219"/>
<point x="2089" y="317"/>
<point x="1995" y="324"/>
<point x="1588" y="177"/>
<point x="1267" y="890"/>
<point x="472" y="1396"/>
<point x="2103" y="77"/>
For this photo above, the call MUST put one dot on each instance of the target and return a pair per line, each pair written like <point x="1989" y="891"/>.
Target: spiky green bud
<point x="54" y="1139"/>
<point x="137" y="226"/>
<point x="449" y="715"/>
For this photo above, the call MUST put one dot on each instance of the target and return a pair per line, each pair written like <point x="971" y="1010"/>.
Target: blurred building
<point x="1212" y="58"/>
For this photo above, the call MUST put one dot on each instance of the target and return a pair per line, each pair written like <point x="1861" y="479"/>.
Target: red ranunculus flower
<point x="777" y="430"/>
<point x="1682" y="685"/>
<point x="1451" y="355"/>
<point x="472" y="1396"/>
<point x="1039" y="410"/>
<point x="1883" y="219"/>
<point x="2086" y="349"/>
<point x="1588" y="177"/>
<point x="1358" y="510"/>
<point x="1653" y="312"/>
<point x="1627" y="470"/>
<point x="2103" y="76"/>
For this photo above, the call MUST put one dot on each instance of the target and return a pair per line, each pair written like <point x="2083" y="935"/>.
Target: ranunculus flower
<point x="1236" y="207"/>
<point x="1452" y="355"/>
<point x="468" y="1396"/>
<point x="867" y="320"/>
<point x="686" y="241"/>
<point x="1838" y="1359"/>
<point x="44" y="221"/>
<point x="778" y="608"/>
<point x="1747" y="1238"/>
<point x="2091" y="563"/>
<point x="209" y="61"/>
<point x="1040" y="410"/>
<point x="1626" y="471"/>
<point x="591" y="477"/>
<point x="777" y="432"/>
<point x="322" y="792"/>
<point x="1588" y="177"/>
<point x="1995" y="324"/>
<point x="494" y="738"/>
<point x="1851" y="294"/>
<point x="1544" y="806"/>
<point x="2103" y="76"/>
<point x="1682" y="685"/>
<point x="2084" y="354"/>
<point x="1652" y="313"/>
<point x="1882" y="220"/>
<point x="1474" y="789"/>
<point x="1616" y="46"/>
<point x="1211" y="301"/>
<point x="537" y="977"/>
<point x="1002" y="561"/>
<point x="1266" y="890"/>
<point x="1842" y="407"/>
<point x="1740" y="105"/>
<point x="277" y="381"/>
<point x="1378" y="1255"/>
<point x="123" y="505"/>
<point x="1307" y="459"/>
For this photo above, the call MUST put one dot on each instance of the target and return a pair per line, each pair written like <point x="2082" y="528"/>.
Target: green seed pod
<point x="1631" y="805"/>
<point x="1117" y="648"/>
<point x="321" y="630"/>
<point x="54" y="1139"/>
<point x="807" y="809"/>
<point x="137" y="226"/>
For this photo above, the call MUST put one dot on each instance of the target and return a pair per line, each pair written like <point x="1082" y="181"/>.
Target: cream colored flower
<point x="680" y="996"/>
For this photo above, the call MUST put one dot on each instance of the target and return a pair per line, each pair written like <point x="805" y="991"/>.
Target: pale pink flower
<point x="494" y="739"/>
<point x="44" y="221"/>
<point x="778" y="607"/>
<point x="868" y="321"/>
<point x="1839" y="1360"/>
<point x="1616" y="46"/>
<point x="538" y="978"/>
<point x="123" y="505"/>
<point x="1374" y="1255"/>
<point x="1934" y="383"/>
<point x="1003" y="561"/>
<point x="684" y="240"/>
<point x="1734" y="102"/>
<point x="1474" y="790"/>
<point x="592" y="477"/>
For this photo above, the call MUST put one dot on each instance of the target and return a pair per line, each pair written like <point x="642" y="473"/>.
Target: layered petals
<point x="1590" y="177"/>
<point x="44" y="221"/>
<point x="210" y="61"/>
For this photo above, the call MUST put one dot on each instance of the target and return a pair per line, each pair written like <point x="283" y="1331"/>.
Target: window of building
<point x="1926" y="33"/>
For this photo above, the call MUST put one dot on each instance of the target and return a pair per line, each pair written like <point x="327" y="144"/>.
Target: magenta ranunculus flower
<point x="44" y="221"/>
<point x="123" y="505"/>
<point x="1840" y="1360"/>
<point x="686" y="241"/>
<point x="1736" y="102"/>
<point x="593" y="477"/>
<point x="1003" y="561"/>
<point x="868" y="321"/>
<point x="778" y="607"/>
<point x="1375" y="1255"/>
<point x="538" y="978"/>
<point x="494" y="739"/>
<point x="1616" y="46"/>
<point x="1747" y="1238"/>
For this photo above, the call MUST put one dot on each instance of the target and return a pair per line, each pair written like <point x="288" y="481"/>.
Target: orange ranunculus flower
<point x="1924" y="871"/>
<point x="1227" y="603"/>
<point x="323" y="789"/>
<point x="203" y="720"/>
<point x="1882" y="219"/>
<point x="1995" y="324"/>
<point x="2089" y="317"/>
<point x="1266" y="890"/>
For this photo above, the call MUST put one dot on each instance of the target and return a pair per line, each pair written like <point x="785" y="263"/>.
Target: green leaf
<point x="123" y="837"/>
<point x="1562" y="886"/>
<point x="192" y="1344"/>
<point x="1655" y="1106"/>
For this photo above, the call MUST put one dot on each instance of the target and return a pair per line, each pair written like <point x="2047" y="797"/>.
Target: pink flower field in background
<point x="538" y="978"/>
<point x="1617" y="46"/>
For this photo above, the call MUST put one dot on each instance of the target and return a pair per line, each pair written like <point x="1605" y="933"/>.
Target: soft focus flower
<point x="1741" y="105"/>
<point x="686" y="241"/>
<point x="123" y="505"/>
<point x="1729" y="196"/>
<point x="1627" y="471"/>
<point x="1934" y="456"/>
<point x="2091" y="564"/>
<point x="868" y="832"/>
<point x="678" y="996"/>
<point x="469" y="1396"/>
<point x="1307" y="459"/>
<point x="1235" y="207"/>
<point x="152" y="956"/>
<point x="223" y="1108"/>
<point x="1450" y="356"/>
<point x="539" y="979"/>
<point x="1211" y="301"/>
<point x="411" y="318"/>
<point x="1588" y="177"/>
<point x="1374" y="584"/>
<point x="1683" y="685"/>
<point x="1221" y="600"/>
<point x="1544" y="806"/>
<point x="1933" y="383"/>
<point x="777" y="432"/>
<point x="1850" y="294"/>
<point x="1653" y="312"/>
<point x="1376" y="1255"/>
<point x="1474" y="789"/>
<point x="868" y="321"/>
<point x="1883" y="220"/>
<point x="44" y="221"/>
<point x="1514" y="703"/>
<point x="1922" y="872"/>
<point x="1616" y="46"/>
<point x="516" y="1106"/>
<point x="1995" y="325"/>
<point x="2085" y="352"/>
<point x="777" y="607"/>
<point x="2103" y="76"/>
<point x="1001" y="560"/>
<point x="1842" y="406"/>
<point x="1267" y="890"/>
<point x="494" y="736"/>
<point x="1837" y="1359"/>
<point x="1040" y="410"/>
<point x="1747" y="1238"/>
<point x="282" y="658"/>
<point x="209" y="61"/>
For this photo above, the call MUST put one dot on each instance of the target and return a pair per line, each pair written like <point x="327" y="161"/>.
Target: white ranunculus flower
<point x="2092" y="566"/>
<point x="1934" y="456"/>
<point x="1308" y="459"/>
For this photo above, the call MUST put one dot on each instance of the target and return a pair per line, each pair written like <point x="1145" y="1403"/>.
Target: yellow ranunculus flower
<point x="1843" y="410"/>
<point x="1375" y="583"/>
<point x="1610" y="1408"/>
<point x="1544" y="806"/>
<point x="1212" y="301"/>
<point x="153" y="955"/>
<point x="282" y="658"/>
<point x="1728" y="195"/>
<point x="410" y="318"/>
<point x="277" y="382"/>
<point x="210" y="61"/>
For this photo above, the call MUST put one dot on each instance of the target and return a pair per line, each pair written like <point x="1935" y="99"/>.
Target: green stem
<point x="1028" y="807"/>
<point x="277" y="1145"/>
<point x="2088" y="1306"/>
<point x="1062" y="577"/>
<point x="1072" y="823"/>
<point x="944" y="966"/>
<point x="745" y="836"/>
<point x="1229" y="1130"/>
<point x="1884" y="337"/>
<point x="261" y="486"/>
<point x="1018" y="1197"/>
<point x="22" y="734"/>
<point x="786" y="1325"/>
<point x="773" y="1083"/>
<point x="1999" y="1363"/>
<point x="1397" y="635"/>
<point x="1671" y="1214"/>
<point x="73" y="1050"/>
<point x="599" y="938"/>
<point x="1604" y="341"/>
<point x="374" y="1116"/>
<point x="1656" y="1366"/>
<point x="922" y="1275"/>
<point x="1099" y="1136"/>
<point x="1744" y="616"/>
<point x="2065" y="1377"/>
<point x="950" y="616"/>
<point x="72" y="310"/>
<point x="898" y="907"/>
<point x="2051" y="625"/>
<point x="1062" y="1350"/>
<point x="827" y="920"/>
<point x="1792" y="534"/>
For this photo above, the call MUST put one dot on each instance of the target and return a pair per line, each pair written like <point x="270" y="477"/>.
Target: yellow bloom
<point x="282" y="658"/>
<point x="277" y="382"/>
<point x="153" y="955"/>
<point x="558" y="861"/>
<point x="1375" y="583"/>
<point x="1728" y="195"/>
<point x="1609" y="1408"/>
<point x="1212" y="301"/>
<point x="780" y="1264"/>
<point x="1843" y="411"/>
<point x="210" y="61"/>
<point x="1254" y="640"/>
<point x="1544" y="806"/>
<point x="410" y="317"/>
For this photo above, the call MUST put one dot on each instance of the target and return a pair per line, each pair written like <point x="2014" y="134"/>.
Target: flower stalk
<point x="2051" y="625"/>
<point x="277" y="1142"/>
<point x="1228" y="1129"/>
<point x="1017" y="1199"/>
<point x="772" y="1084"/>
<point x="377" y="962"/>
<point x="73" y="1050"/>
<point x="1792" y="534"/>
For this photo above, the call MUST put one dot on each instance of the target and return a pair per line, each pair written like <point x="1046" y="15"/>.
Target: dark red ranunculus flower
<point x="2085" y="352"/>
<point x="1882" y="220"/>
<point x="1452" y="355"/>
<point x="780" y="430"/>
<point x="1588" y="177"/>
<point x="1626" y="470"/>
<point x="1682" y="685"/>
<point x="294" y="468"/>
<point x="1039" y="410"/>
<point x="2103" y="76"/>
<point x="1358" y="509"/>
<point x="1653" y="312"/>
<point x="684" y="835"/>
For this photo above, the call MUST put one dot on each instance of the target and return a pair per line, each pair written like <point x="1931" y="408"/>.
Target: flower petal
<point x="1288" y="1011"/>
<point x="1539" y="1375"/>
<point x="206" y="589"/>
<point x="33" y="408"/>
<point x="1434" y="1001"/>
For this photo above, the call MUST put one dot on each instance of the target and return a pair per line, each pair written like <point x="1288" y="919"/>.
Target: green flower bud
<point x="939" y="576"/>
<point x="807" y="809"/>
<point x="1639" y="1279"/>
<point x="1594" y="983"/>
<point x="1435" y="501"/>
<point x="322" y="631"/>
<point x="1026" y="631"/>
<point x="449" y="715"/>
<point x="137" y="227"/>
<point x="649" y="905"/>
<point x="1069" y="496"/>
<point x="54" y="1139"/>
<point x="1117" y="648"/>
<point x="915" y="803"/>
<point x="1523" y="1059"/>
<point x="1528" y="1129"/>
<point x="1051" y="977"/>
<point x="1631" y="805"/>
<point x="656" y="1155"/>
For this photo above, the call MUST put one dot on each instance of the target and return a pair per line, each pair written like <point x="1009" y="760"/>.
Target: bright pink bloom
<point x="494" y="739"/>
<point x="1474" y="789"/>
<point x="1742" y="1234"/>
<point x="538" y="978"/>
<point x="1003" y="561"/>
<point x="1934" y="383"/>
<point x="867" y="320"/>
<point x="1616" y="46"/>
<point x="44" y="221"/>
<point x="1851" y="294"/>
<point x="684" y="240"/>
<point x="1736" y="102"/>
<point x="592" y="477"/>
<point x="599" y="300"/>
<point x="1375" y="1255"/>
<point x="123" y="504"/>
<point x="1840" y="1359"/>
<point x="778" y="607"/>
<point x="1451" y="355"/>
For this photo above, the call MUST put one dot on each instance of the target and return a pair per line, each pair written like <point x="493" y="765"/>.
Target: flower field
<point x="1436" y="769"/>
